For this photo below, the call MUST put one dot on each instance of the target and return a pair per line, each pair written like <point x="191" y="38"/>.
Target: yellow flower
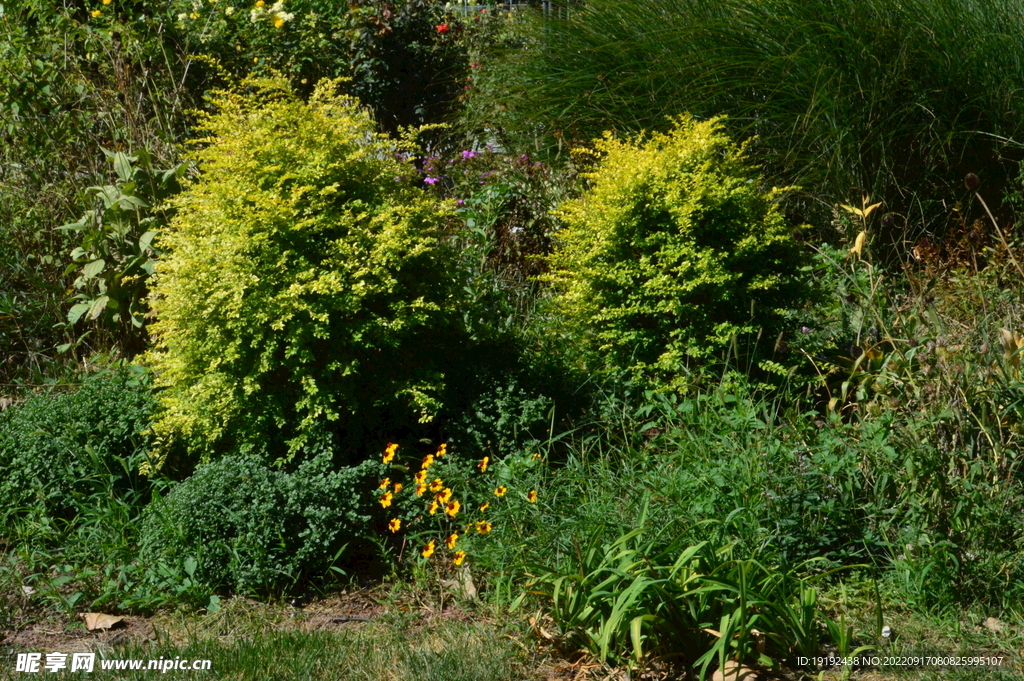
<point x="385" y="500"/>
<point x="484" y="507"/>
<point x="107" y="2"/>
<point x="255" y="59"/>
<point x="452" y="540"/>
<point x="193" y="15"/>
<point x="95" y="13"/>
<point x="535" y="456"/>
<point x="428" y="550"/>
<point x="398" y="487"/>
<point x="386" y="482"/>
<point x="500" y="492"/>
<point x="532" y="496"/>
<point x="483" y="464"/>
<point x="437" y="485"/>
<point x="395" y="525"/>
<point x="427" y="460"/>
<point x="445" y="496"/>
<point x="442" y="450"/>
<point x="483" y="527"/>
<point x="389" y="452"/>
<point x="452" y="508"/>
<point x="433" y="507"/>
<point x="420" y="489"/>
<point x="229" y="11"/>
<point x="259" y="3"/>
<point x="278" y="21"/>
<point x="459" y="557"/>
<point x="420" y="477"/>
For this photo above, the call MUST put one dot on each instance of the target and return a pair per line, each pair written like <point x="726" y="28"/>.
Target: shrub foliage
<point x="304" y="280"/>
<point x="673" y="250"/>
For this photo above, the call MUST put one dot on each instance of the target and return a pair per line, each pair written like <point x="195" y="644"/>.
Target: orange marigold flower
<point x="385" y="500"/>
<point x="395" y="525"/>
<point x="433" y="507"/>
<point x="399" y="487"/>
<point x="459" y="557"/>
<point x="428" y="550"/>
<point x="483" y="527"/>
<point x="386" y="482"/>
<point x="452" y="540"/>
<point x="483" y="464"/>
<point x="452" y="508"/>
<point x="420" y="477"/>
<point x="532" y="496"/>
<point x="485" y="506"/>
<point x="420" y="489"/>
<point x="389" y="452"/>
<point x="500" y="492"/>
<point x="437" y="485"/>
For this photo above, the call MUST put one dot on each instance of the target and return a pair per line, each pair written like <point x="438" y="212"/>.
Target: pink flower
<point x="430" y="180"/>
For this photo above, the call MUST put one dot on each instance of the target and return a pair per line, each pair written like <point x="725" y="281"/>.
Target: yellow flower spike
<point x="399" y="487"/>
<point x="389" y="452"/>
<point x="460" y="556"/>
<point x="452" y="540"/>
<point x="420" y="489"/>
<point x="485" y="506"/>
<point x="532" y="496"/>
<point x="385" y="500"/>
<point x="395" y="525"/>
<point x="483" y="464"/>
<point x="500" y="492"/>
<point x="452" y="508"/>
<point x="437" y="485"/>
<point x="433" y="507"/>
<point x="95" y="13"/>
<point x="420" y="477"/>
<point x="428" y="550"/>
<point x="386" y="482"/>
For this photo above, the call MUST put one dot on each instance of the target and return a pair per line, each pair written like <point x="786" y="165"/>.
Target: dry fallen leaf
<point x="734" y="671"/>
<point x="98" y="621"/>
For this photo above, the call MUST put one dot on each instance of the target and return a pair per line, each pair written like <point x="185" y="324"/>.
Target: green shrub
<point x="253" y="528"/>
<point x="673" y="251"/>
<point x="304" y="282"/>
<point x="53" y="446"/>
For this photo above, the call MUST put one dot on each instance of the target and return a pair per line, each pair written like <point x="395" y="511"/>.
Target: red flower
<point x="442" y="28"/>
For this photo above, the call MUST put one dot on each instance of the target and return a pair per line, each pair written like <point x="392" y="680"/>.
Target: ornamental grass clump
<point x="672" y="252"/>
<point x="304" y="286"/>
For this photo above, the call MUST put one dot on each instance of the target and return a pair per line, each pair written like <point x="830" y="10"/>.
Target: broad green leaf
<point x="93" y="268"/>
<point x="76" y="312"/>
<point x="98" y="306"/>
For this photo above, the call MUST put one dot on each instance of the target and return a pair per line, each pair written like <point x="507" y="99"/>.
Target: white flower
<point x="229" y="11"/>
<point x="182" y="17"/>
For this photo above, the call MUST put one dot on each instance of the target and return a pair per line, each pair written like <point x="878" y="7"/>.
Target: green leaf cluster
<point x="304" y="282"/>
<point x="672" y="251"/>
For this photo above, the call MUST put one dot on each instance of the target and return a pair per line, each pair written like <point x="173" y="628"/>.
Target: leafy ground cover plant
<point x="672" y="252"/>
<point x="303" y="281"/>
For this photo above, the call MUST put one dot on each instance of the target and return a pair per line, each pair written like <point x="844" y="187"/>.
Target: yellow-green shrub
<point x="303" y="282"/>
<point x="663" y="256"/>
